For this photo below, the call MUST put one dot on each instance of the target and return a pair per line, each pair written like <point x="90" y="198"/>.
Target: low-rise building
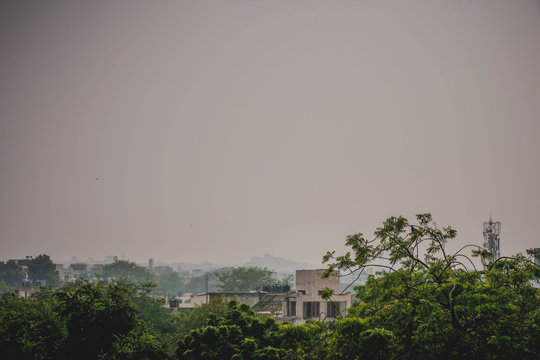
<point x="299" y="306"/>
<point x="26" y="290"/>
<point x="307" y="304"/>
<point x="250" y="298"/>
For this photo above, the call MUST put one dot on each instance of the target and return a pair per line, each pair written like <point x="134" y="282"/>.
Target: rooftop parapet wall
<point x="310" y="281"/>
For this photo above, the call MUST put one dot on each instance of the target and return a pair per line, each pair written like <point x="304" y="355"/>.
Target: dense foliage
<point x="433" y="306"/>
<point x="244" y="278"/>
<point x="427" y="305"/>
<point x="41" y="268"/>
<point x="11" y="275"/>
<point x="239" y="334"/>
<point x="30" y="329"/>
<point x="127" y="270"/>
<point x="80" y="321"/>
<point x="202" y="283"/>
<point x="169" y="283"/>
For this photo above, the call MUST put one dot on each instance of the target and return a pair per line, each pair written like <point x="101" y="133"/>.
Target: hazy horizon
<point x="218" y="131"/>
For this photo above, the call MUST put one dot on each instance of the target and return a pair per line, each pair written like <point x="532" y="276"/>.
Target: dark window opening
<point x="292" y="308"/>
<point x="311" y="309"/>
<point x="335" y="308"/>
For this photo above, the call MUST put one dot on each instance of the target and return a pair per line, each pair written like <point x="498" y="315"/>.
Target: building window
<point x="292" y="308"/>
<point x="335" y="308"/>
<point x="311" y="309"/>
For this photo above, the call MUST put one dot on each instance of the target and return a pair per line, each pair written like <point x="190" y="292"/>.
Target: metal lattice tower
<point x="492" y="240"/>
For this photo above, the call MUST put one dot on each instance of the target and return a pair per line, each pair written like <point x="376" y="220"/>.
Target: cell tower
<point x="492" y="241"/>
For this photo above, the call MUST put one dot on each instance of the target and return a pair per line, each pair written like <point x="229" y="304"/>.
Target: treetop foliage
<point x="42" y="268"/>
<point x="436" y="304"/>
<point x="127" y="270"/>
<point x="11" y="274"/>
<point x="242" y="279"/>
<point x="80" y="321"/>
<point x="429" y="304"/>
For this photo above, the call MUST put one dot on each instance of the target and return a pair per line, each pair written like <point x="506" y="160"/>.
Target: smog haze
<point x="222" y="130"/>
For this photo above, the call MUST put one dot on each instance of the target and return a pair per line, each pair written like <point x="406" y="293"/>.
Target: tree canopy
<point x="124" y="269"/>
<point x="11" y="274"/>
<point x="41" y="268"/>
<point x="429" y="303"/>
<point x="244" y="278"/>
<point x="202" y="283"/>
<point x="84" y="321"/>
<point x="30" y="329"/>
<point x="169" y="283"/>
<point x="435" y="306"/>
<point x="238" y="334"/>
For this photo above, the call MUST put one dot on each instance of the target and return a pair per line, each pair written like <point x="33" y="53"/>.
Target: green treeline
<point x="428" y="305"/>
<point x="170" y="282"/>
<point x="40" y="269"/>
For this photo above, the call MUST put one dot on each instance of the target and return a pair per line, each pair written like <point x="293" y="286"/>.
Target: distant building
<point x="96" y="270"/>
<point x="250" y="298"/>
<point x="537" y="257"/>
<point x="307" y="304"/>
<point x="26" y="290"/>
<point x="110" y="259"/>
<point x="297" y="306"/>
<point x="78" y="271"/>
<point x="61" y="273"/>
<point x="23" y="263"/>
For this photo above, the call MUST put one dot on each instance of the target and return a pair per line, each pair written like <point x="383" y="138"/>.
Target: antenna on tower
<point x="492" y="240"/>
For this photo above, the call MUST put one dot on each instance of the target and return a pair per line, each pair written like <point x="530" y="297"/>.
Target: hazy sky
<point x="221" y="130"/>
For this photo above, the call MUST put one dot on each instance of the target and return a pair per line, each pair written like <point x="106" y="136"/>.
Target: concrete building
<point x="307" y="304"/>
<point x="97" y="270"/>
<point x="299" y="306"/>
<point x="74" y="272"/>
<point x="537" y="258"/>
<point x="61" y="273"/>
<point x="250" y="298"/>
<point x="26" y="290"/>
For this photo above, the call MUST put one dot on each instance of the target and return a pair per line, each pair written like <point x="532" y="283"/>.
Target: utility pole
<point x="207" y="295"/>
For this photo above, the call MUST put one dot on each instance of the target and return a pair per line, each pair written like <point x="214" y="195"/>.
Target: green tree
<point x="169" y="283"/>
<point x="102" y="322"/>
<point x="123" y="269"/>
<point x="139" y="344"/>
<point x="356" y="338"/>
<point x="86" y="321"/>
<point x="96" y="315"/>
<point x="238" y="334"/>
<point x="30" y="328"/>
<point x="198" y="317"/>
<point x="200" y="284"/>
<point x="244" y="278"/>
<point x="161" y="319"/>
<point x="11" y="274"/>
<point x="41" y="268"/>
<point x="430" y="305"/>
<point x="310" y="341"/>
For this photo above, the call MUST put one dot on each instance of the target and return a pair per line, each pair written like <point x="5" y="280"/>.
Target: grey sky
<point x="220" y="130"/>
